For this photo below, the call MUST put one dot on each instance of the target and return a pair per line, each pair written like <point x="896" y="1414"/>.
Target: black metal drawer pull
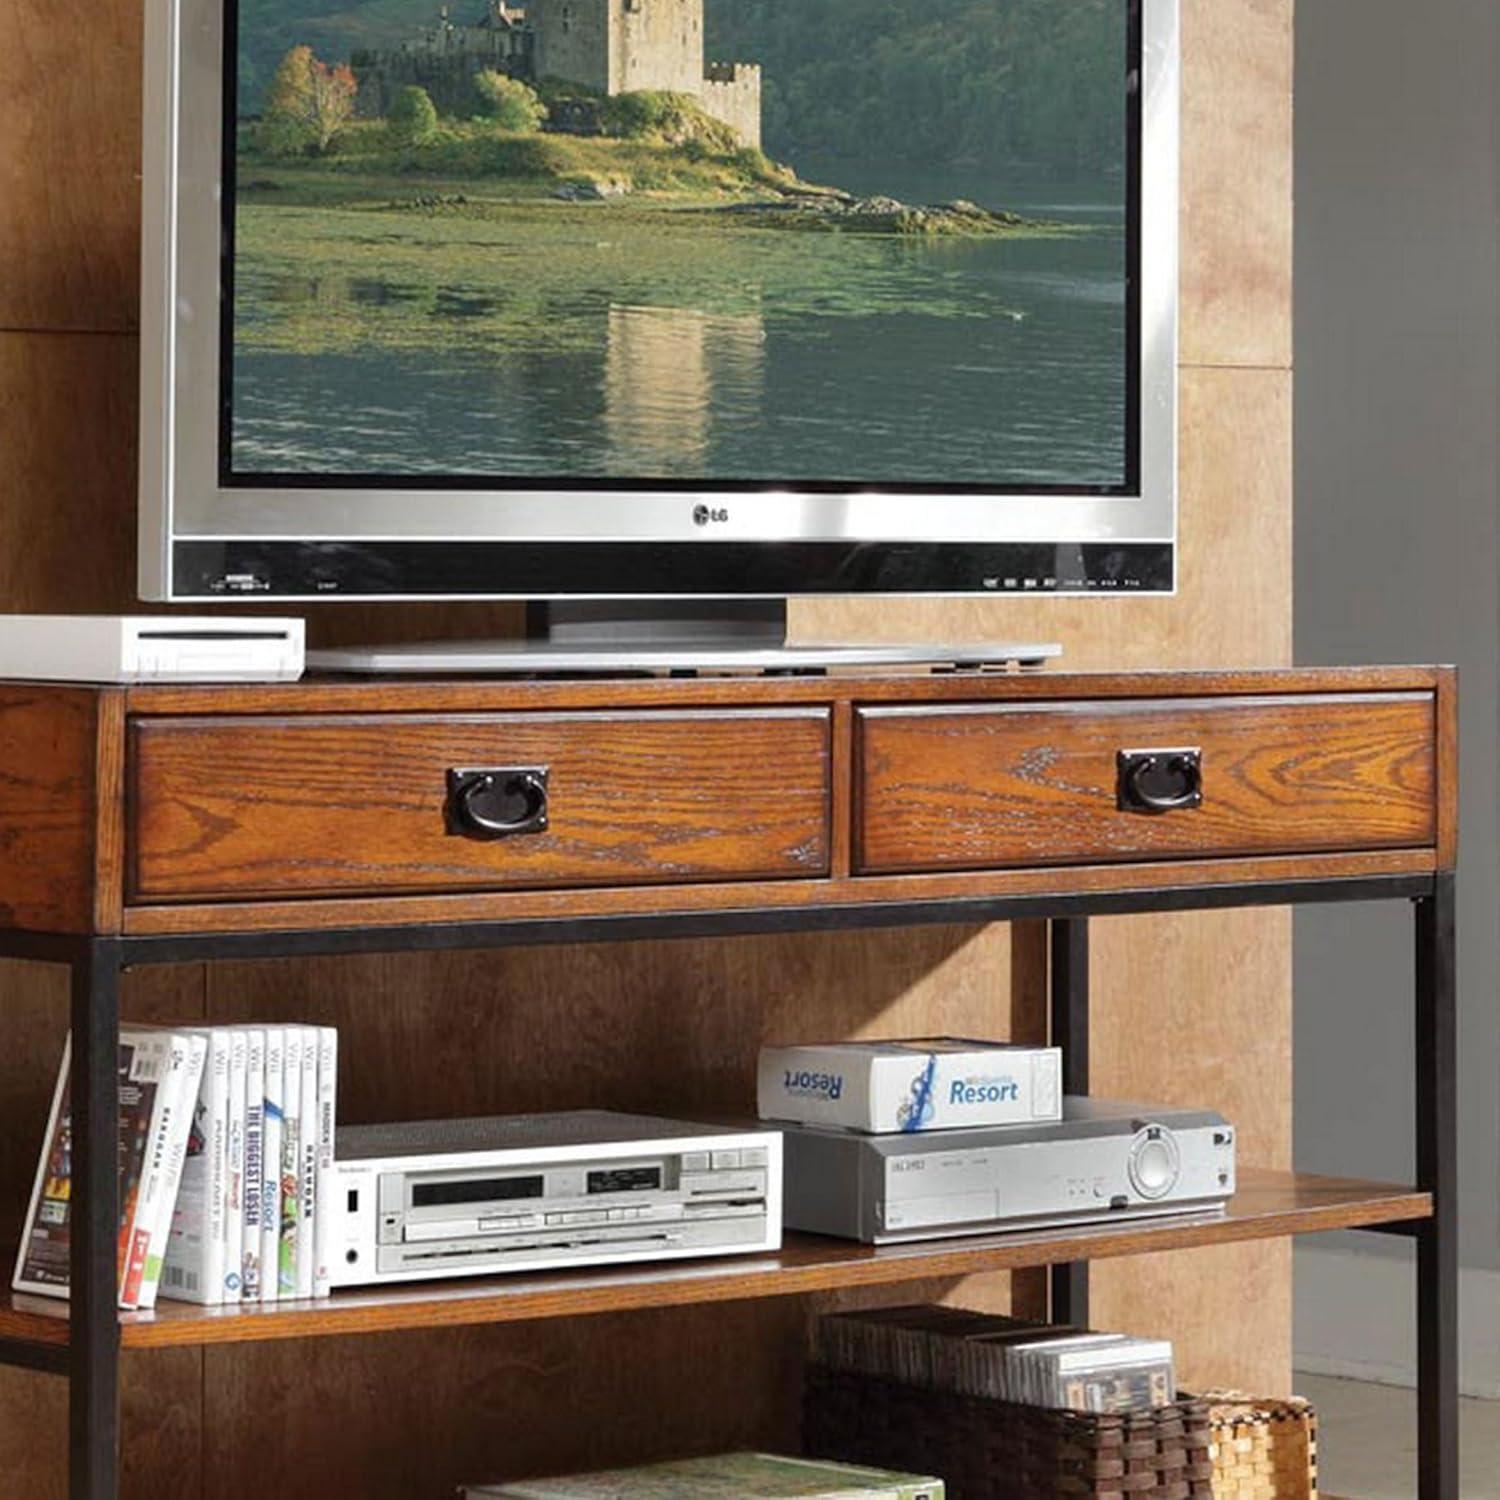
<point x="1158" y="781"/>
<point x="496" y="802"/>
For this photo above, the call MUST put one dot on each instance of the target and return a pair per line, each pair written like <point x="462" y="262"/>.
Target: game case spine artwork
<point x="305" y="1257"/>
<point x="328" y="1057"/>
<point x="255" y="1184"/>
<point x="234" y="1195"/>
<point x="43" y="1262"/>
<point x="270" y="1199"/>
<point x="291" y="1162"/>
<point x="148" y="1188"/>
<point x="189" y="1058"/>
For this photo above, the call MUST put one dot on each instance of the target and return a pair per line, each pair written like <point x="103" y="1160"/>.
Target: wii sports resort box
<point x="725" y="1476"/>
<point x="932" y="1083"/>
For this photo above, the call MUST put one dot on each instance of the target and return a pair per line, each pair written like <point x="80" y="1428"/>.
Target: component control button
<point x="695" y="1161"/>
<point x="723" y="1159"/>
<point x="1154" y="1162"/>
<point x="754" y="1156"/>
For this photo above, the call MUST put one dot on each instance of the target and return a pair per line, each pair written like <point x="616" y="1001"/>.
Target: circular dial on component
<point x="1154" y="1162"/>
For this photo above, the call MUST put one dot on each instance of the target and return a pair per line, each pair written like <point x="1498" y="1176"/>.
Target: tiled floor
<point x="1367" y="1445"/>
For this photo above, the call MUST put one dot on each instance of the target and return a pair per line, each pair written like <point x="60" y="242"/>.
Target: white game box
<point x="930" y="1083"/>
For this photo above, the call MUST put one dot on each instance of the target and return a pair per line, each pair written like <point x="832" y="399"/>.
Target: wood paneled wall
<point x="1193" y="1008"/>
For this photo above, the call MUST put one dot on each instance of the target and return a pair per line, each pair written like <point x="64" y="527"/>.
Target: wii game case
<point x="197" y="1244"/>
<point x="255" y="1167"/>
<point x="731" y="1476"/>
<point x="234" y="1198"/>
<point x="43" y="1265"/>
<point x="271" y="1142"/>
<point x="304" y="1256"/>
<point x="166" y="1155"/>
<point x="933" y="1083"/>
<point x="328" y="1061"/>
<point x="291" y="1162"/>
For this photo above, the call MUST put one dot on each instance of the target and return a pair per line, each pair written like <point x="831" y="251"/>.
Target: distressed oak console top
<point x="330" y="803"/>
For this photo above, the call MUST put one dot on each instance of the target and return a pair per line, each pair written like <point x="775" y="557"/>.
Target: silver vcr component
<point x="534" y="1192"/>
<point x="1102" y="1160"/>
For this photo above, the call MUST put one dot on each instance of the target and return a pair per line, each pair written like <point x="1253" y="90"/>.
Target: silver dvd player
<point x="536" y="1192"/>
<point x="1103" y="1160"/>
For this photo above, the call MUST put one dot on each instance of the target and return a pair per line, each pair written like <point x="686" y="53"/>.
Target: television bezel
<point x="202" y="540"/>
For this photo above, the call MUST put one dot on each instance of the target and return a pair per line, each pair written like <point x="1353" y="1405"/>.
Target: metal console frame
<point x="91" y="1361"/>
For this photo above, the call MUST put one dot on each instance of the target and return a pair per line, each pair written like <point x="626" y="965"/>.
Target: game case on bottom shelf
<point x="167" y="1154"/>
<point x="730" y="1476"/>
<point x="234" y="1195"/>
<point x="197" y="1243"/>
<point x="328" y="1061"/>
<point x="291" y="1162"/>
<point x="270" y="1197"/>
<point x="255" y="1172"/>
<point x="144" y="1076"/>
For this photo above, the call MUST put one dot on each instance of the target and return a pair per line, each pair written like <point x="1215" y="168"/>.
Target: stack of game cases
<point x="1004" y="1359"/>
<point x="226" y="1143"/>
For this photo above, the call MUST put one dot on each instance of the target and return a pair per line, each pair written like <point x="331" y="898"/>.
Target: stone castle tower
<point x="616" y="46"/>
<point x="604" y="46"/>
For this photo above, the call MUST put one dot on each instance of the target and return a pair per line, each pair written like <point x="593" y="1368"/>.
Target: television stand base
<point x="685" y="657"/>
<point x="663" y="636"/>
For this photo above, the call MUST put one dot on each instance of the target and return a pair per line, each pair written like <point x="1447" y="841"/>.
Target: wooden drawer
<point x="245" y="807"/>
<point x="971" y="786"/>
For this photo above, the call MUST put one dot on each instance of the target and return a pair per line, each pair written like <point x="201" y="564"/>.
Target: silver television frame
<point x="181" y="499"/>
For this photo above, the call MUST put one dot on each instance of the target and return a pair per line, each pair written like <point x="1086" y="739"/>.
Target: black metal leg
<point x="93" y="1404"/>
<point x="1437" y="1173"/>
<point x="1069" y="981"/>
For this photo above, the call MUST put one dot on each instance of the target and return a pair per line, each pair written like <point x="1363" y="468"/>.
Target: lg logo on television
<point x="703" y="514"/>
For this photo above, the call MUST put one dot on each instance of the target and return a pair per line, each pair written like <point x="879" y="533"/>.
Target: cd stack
<point x="1001" y="1359"/>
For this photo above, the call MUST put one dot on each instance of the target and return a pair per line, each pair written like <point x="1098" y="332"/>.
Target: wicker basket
<point x="994" y="1450"/>
<point x="1263" y="1449"/>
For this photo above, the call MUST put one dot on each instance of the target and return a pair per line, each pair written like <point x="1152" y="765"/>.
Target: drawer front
<point x="992" y="785"/>
<point x="240" y="808"/>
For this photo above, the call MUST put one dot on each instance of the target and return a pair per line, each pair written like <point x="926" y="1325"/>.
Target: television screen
<point x="658" y="298"/>
<point x="699" y="243"/>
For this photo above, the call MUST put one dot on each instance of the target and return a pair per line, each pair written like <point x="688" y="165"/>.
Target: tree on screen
<point x="308" y="103"/>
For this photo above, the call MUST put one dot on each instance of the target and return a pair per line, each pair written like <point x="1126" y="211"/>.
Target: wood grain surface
<point x="321" y="694"/>
<point x="238" y="806"/>
<point x="974" y="786"/>
<point x="47" y="822"/>
<point x="1267" y="1205"/>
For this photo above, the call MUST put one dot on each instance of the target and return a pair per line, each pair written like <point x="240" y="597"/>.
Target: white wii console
<point x="150" y="648"/>
<point x="536" y="1192"/>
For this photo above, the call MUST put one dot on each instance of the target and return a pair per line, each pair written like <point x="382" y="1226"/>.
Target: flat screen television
<point x="658" y="298"/>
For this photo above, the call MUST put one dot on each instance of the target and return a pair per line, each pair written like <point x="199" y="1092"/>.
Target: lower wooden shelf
<point x="1268" y="1205"/>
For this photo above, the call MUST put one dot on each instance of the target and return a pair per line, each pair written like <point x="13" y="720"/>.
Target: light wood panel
<point x="1236" y="222"/>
